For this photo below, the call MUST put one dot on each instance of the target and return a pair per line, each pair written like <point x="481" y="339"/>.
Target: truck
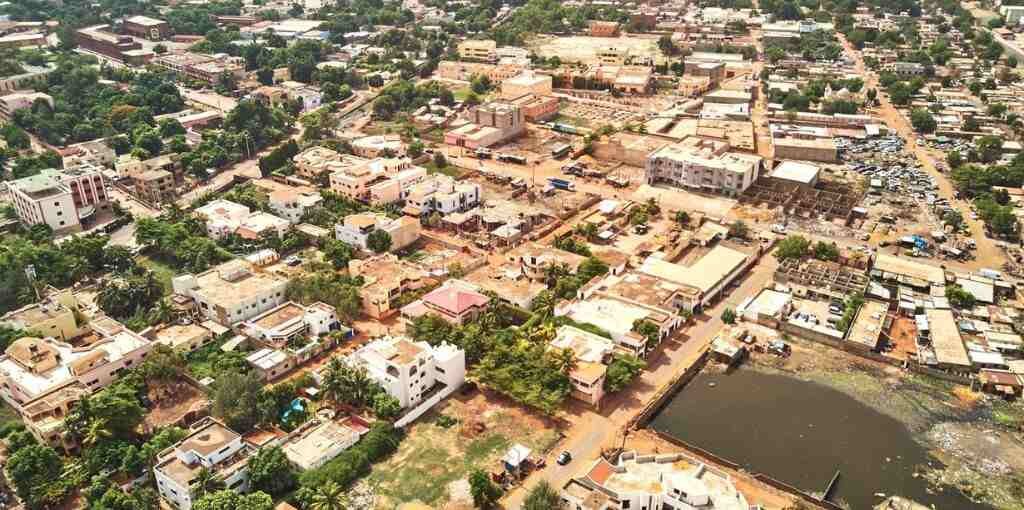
<point x="562" y="184"/>
<point x="560" y="150"/>
<point x="512" y="158"/>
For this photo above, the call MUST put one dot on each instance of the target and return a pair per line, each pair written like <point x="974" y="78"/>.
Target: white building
<point x="355" y="230"/>
<point x="292" y="204"/>
<point x="379" y="146"/>
<point x="409" y="370"/>
<point x="703" y="165"/>
<point x="222" y="217"/>
<point x="43" y="378"/>
<point x="211" y="445"/>
<point x="591" y="353"/>
<point x="442" y="194"/>
<point x="61" y="199"/>
<point x="42" y="198"/>
<point x="672" y="481"/>
<point x="232" y="292"/>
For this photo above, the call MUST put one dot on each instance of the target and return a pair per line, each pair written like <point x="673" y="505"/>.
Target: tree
<point x="338" y="253"/>
<point x="271" y="472"/>
<point x="739" y="230"/>
<point x="793" y="247"/>
<point x="234" y="400"/>
<point x="648" y="330"/>
<point x="922" y="120"/>
<point x="328" y="496"/>
<point x="415" y="149"/>
<point x="379" y="241"/>
<point x="954" y="159"/>
<point x="206" y="483"/>
<point x="729" y="316"/>
<point x="542" y="497"/>
<point x="971" y="124"/>
<point x="622" y="370"/>
<point x="826" y="251"/>
<point x="439" y="160"/>
<point x="953" y="218"/>
<point x="485" y="493"/>
<point x="386" y="406"/>
<point x="959" y="298"/>
<point x="35" y="473"/>
<point x="989" y="148"/>
<point x="230" y="500"/>
<point x="682" y="218"/>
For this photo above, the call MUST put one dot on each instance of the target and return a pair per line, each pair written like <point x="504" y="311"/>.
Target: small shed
<point x="515" y="457"/>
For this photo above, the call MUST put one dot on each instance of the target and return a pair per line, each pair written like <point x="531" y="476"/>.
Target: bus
<point x="512" y="158"/>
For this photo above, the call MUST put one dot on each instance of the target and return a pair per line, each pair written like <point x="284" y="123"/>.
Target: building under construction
<point x="826" y="200"/>
<point x="821" y="279"/>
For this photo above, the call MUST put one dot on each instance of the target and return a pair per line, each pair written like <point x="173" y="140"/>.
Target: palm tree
<point x="205" y="482"/>
<point x="333" y="385"/>
<point x="96" y="432"/>
<point x="543" y="305"/>
<point x="328" y="496"/>
<point x="565" y="359"/>
<point x="162" y="312"/>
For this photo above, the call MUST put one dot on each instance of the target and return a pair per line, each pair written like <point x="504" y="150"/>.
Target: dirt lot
<point x="171" y="404"/>
<point x="435" y="459"/>
<point x="902" y="336"/>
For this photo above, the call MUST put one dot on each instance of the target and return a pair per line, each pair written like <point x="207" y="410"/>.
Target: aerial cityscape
<point x="511" y="254"/>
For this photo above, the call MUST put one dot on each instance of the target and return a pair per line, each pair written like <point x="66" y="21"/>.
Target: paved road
<point x="591" y="431"/>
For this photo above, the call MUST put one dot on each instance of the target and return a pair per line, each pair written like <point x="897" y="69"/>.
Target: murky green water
<point x="801" y="433"/>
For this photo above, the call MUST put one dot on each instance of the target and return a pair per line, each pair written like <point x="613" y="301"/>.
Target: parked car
<point x="564" y="458"/>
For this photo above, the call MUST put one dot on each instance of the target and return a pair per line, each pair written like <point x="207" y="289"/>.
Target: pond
<point x="801" y="432"/>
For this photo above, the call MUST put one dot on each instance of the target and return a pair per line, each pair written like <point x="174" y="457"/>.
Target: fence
<point x="655" y="406"/>
<point x="424" y="406"/>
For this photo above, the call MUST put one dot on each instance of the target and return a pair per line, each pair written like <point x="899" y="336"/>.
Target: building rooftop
<point x="322" y="442"/>
<point x="39" y="365"/>
<point x="705" y="274"/>
<point x="283" y="314"/>
<point x="145" y="21"/>
<point x="455" y="297"/>
<point x="803" y="173"/>
<point x="904" y="267"/>
<point x="226" y="286"/>
<point x="179" y="334"/>
<point x="267" y="358"/>
<point x="868" y="326"/>
<point x="949" y="346"/>
<point x="700" y="485"/>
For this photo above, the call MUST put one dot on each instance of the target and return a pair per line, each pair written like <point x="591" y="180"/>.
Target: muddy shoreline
<point x="975" y="437"/>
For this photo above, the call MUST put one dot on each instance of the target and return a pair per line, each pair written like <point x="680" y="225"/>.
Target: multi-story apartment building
<point x="377" y="181"/>
<point x="441" y="194"/>
<point x="11" y="103"/>
<point x="146" y="28"/>
<point x="703" y="165"/>
<point x="315" y="161"/>
<point x="386" y="278"/>
<point x="232" y="292"/>
<point x="296" y="331"/>
<point x="465" y="71"/>
<point x="54" y="316"/>
<point x="206" y="68"/>
<point x="591" y="353"/>
<point x="96" y="153"/>
<point x="483" y="50"/>
<point x="409" y="370"/>
<point x="42" y="378"/>
<point x="156" y="186"/>
<point x="210" y="445"/>
<point x="59" y="199"/>
<point x="665" y="482"/>
<point x="489" y="124"/>
<point x="122" y="48"/>
<point x="355" y="230"/>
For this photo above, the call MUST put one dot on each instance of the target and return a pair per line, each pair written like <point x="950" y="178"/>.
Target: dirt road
<point x="988" y="254"/>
